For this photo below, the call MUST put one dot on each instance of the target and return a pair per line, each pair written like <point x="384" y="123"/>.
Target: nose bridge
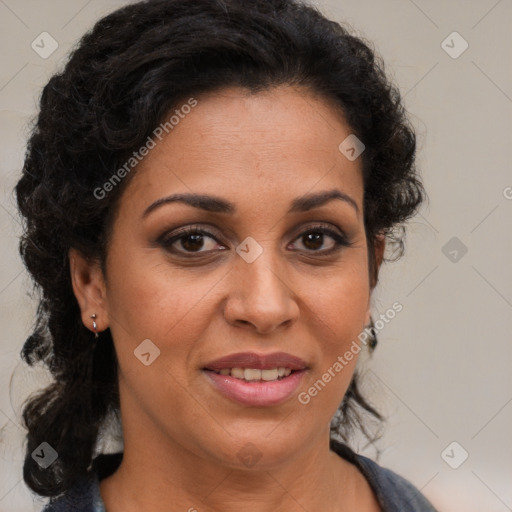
<point x="261" y="295"/>
<point x="264" y="277"/>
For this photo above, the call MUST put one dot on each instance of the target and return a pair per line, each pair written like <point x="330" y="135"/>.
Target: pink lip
<point x="256" y="393"/>
<point x="257" y="361"/>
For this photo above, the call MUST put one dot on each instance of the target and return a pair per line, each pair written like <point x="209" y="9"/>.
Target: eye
<point x="190" y="240"/>
<point x="315" y="237"/>
<point x="195" y="240"/>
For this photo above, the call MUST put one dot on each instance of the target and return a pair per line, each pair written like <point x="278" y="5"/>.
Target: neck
<point x="314" y="479"/>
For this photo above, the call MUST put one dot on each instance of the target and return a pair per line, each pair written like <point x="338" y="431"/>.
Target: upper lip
<point x="257" y="361"/>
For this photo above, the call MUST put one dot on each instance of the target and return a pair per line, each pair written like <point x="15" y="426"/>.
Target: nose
<point x="260" y="298"/>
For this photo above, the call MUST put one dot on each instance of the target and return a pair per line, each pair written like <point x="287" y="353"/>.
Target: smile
<point x="253" y="374"/>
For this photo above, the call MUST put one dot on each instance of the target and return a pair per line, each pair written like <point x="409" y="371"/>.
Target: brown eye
<point x="314" y="238"/>
<point x="190" y="240"/>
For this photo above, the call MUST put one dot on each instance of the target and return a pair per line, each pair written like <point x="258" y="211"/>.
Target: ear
<point x="380" y="245"/>
<point x="89" y="288"/>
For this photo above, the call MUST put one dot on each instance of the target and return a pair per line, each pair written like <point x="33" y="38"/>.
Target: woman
<point x="208" y="192"/>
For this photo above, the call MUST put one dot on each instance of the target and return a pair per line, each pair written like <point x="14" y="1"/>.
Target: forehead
<point x="270" y="145"/>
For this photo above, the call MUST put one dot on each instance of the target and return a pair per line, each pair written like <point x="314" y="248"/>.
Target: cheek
<point x="340" y="305"/>
<point x="340" y="313"/>
<point x="149" y="300"/>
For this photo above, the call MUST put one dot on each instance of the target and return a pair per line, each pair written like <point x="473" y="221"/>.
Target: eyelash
<point x="168" y="242"/>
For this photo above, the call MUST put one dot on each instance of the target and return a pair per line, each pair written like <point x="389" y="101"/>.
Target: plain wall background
<point x="442" y="369"/>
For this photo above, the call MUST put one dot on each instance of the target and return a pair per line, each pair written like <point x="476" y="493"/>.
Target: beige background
<point x="442" y="369"/>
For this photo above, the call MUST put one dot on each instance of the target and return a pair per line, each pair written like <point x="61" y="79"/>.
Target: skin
<point x="181" y="436"/>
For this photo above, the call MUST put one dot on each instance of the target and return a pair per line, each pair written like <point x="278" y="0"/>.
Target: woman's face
<point x="260" y="276"/>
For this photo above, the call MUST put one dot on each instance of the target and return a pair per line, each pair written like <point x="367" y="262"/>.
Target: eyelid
<point x="171" y="236"/>
<point x="205" y="228"/>
<point x="329" y="228"/>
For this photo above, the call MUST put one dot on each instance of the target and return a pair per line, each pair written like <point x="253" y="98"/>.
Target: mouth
<point x="255" y="374"/>
<point x="256" y="380"/>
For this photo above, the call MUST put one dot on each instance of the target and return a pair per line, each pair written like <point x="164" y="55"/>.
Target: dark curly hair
<point x="122" y="80"/>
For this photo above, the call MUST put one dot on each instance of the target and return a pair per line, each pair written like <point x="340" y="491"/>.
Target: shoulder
<point x="395" y="490"/>
<point x="84" y="495"/>
<point x="80" y="498"/>
<point x="394" y="493"/>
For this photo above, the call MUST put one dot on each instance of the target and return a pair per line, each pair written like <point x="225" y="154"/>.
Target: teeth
<point x="253" y="374"/>
<point x="269" y="374"/>
<point x="238" y="373"/>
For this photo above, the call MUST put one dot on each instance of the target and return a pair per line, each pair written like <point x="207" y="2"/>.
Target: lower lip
<point x="256" y="393"/>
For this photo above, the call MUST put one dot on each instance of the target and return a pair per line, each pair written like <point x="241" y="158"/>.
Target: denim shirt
<point x="393" y="492"/>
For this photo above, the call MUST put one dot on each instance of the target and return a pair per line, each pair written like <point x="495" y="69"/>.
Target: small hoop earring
<point x="373" y="340"/>
<point x="94" y="326"/>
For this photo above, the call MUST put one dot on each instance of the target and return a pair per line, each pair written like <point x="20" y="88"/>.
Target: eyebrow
<point x="218" y="205"/>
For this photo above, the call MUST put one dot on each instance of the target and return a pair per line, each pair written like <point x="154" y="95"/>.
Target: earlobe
<point x="367" y="318"/>
<point x="379" y="247"/>
<point x="89" y="288"/>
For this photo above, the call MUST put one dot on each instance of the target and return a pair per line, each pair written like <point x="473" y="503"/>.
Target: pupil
<point x="196" y="244"/>
<point x="315" y="237"/>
